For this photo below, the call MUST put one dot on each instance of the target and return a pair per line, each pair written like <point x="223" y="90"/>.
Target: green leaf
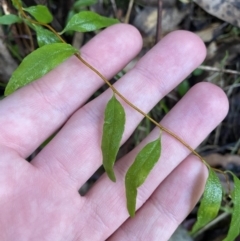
<point x="139" y="170"/>
<point x="39" y="63"/>
<point x="114" y="121"/>
<point x="40" y="13"/>
<point x="234" y="229"/>
<point x="45" y="36"/>
<point x="87" y="21"/>
<point x="10" y="19"/>
<point x="210" y="203"/>
<point x="84" y="3"/>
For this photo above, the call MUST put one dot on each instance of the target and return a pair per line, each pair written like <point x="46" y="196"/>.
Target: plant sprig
<point x="113" y="88"/>
<point x="54" y="46"/>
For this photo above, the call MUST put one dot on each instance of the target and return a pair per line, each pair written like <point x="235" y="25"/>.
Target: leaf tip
<point x="113" y="178"/>
<point x="111" y="174"/>
<point x="7" y="91"/>
<point x="131" y="213"/>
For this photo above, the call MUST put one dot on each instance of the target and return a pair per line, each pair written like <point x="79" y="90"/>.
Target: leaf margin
<point x="112" y="135"/>
<point x="29" y="76"/>
<point x="80" y="22"/>
<point x="9" y="19"/>
<point x="232" y="234"/>
<point x="131" y="183"/>
<point x="44" y="36"/>
<point x="38" y="11"/>
<point x="202" y="215"/>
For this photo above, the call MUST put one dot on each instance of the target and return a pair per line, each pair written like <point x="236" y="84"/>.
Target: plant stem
<point x="39" y="23"/>
<point x="138" y="110"/>
<point x="30" y="37"/>
<point x="115" y="90"/>
<point x="130" y="5"/>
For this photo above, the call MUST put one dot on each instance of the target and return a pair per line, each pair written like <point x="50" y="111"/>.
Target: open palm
<point x="40" y="200"/>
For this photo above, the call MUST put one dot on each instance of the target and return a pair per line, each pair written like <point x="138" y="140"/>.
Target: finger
<point x="157" y="73"/>
<point x="171" y="202"/>
<point x="192" y="119"/>
<point x="33" y="113"/>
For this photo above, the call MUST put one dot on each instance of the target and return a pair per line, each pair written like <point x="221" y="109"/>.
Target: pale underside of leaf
<point x="234" y="229"/>
<point x="39" y="63"/>
<point x="113" y="128"/>
<point x="139" y="171"/>
<point x="210" y="203"/>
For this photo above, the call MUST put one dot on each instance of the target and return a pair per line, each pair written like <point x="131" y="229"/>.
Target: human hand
<point x="40" y="200"/>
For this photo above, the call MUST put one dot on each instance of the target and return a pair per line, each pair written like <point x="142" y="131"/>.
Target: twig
<point x="129" y="11"/>
<point x="114" y="6"/>
<point x="217" y="135"/>
<point x="236" y="147"/>
<point x="140" y="111"/>
<point x="226" y="71"/>
<point x="230" y="88"/>
<point x="5" y="7"/>
<point x="162" y="128"/>
<point x="159" y="21"/>
<point x="30" y="37"/>
<point x="38" y="23"/>
<point x="7" y="12"/>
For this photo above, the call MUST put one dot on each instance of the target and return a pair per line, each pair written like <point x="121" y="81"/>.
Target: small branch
<point x="236" y="147"/>
<point x="6" y="11"/>
<point x="115" y="90"/>
<point x="159" y="22"/>
<point x="5" y="7"/>
<point x="217" y="135"/>
<point x="114" y="6"/>
<point x="140" y="111"/>
<point x="30" y="37"/>
<point x="38" y="23"/>
<point x="130" y="6"/>
<point x="7" y="62"/>
<point x="226" y="71"/>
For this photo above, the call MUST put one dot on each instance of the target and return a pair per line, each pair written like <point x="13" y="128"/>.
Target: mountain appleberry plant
<point x="52" y="51"/>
